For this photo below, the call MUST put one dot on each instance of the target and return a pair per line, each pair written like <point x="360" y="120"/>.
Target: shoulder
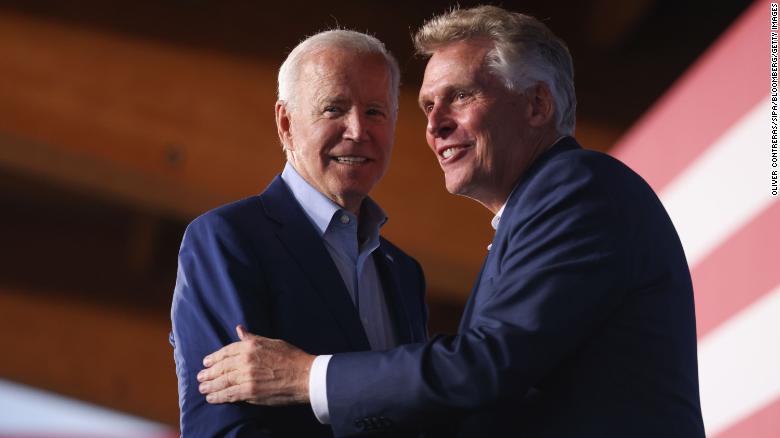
<point x="237" y="222"/>
<point x="233" y="214"/>
<point x="578" y="189"/>
<point x="572" y="188"/>
<point x="580" y="174"/>
<point x="250" y="211"/>
<point x="588" y="165"/>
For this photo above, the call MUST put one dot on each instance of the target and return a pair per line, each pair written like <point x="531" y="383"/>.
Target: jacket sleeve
<point x="217" y="280"/>
<point x="559" y="271"/>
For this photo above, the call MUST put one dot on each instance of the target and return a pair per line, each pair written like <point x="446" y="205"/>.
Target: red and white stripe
<point x="705" y="148"/>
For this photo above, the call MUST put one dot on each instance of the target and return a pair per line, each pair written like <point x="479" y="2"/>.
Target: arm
<point x="217" y="281"/>
<point x="271" y="372"/>
<point x="560" y="269"/>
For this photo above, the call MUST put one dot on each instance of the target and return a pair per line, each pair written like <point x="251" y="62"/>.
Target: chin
<point x="455" y="186"/>
<point x="354" y="192"/>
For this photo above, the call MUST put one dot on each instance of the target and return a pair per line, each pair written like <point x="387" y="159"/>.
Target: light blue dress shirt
<point x="351" y="242"/>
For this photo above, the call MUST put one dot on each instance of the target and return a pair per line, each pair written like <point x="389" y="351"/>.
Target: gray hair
<point x="526" y="52"/>
<point x="336" y="38"/>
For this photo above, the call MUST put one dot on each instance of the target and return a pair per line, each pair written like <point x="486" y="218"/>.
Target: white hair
<point x="358" y="42"/>
<point x="526" y="52"/>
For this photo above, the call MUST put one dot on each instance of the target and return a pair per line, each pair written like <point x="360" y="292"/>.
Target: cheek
<point x="431" y="141"/>
<point x="326" y="136"/>
<point x="382" y="138"/>
<point x="481" y="129"/>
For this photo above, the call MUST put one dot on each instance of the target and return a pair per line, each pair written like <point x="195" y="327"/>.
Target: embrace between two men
<point x="580" y="323"/>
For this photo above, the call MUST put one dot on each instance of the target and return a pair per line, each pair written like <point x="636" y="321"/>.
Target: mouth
<point x="452" y="153"/>
<point x="350" y="160"/>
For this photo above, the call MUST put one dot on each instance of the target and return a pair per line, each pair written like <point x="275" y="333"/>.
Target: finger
<point x="227" y="351"/>
<point x="219" y="368"/>
<point x="231" y="394"/>
<point x="221" y="382"/>
<point x="243" y="333"/>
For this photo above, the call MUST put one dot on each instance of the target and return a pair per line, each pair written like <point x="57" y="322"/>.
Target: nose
<point x="440" y="122"/>
<point x="355" y="127"/>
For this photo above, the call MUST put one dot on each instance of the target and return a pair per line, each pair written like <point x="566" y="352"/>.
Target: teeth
<point x="351" y="160"/>
<point x="448" y="152"/>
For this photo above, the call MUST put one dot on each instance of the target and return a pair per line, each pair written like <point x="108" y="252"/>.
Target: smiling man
<point x="581" y="323"/>
<point x="303" y="261"/>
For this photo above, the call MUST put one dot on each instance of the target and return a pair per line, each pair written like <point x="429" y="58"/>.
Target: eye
<point x="427" y="108"/>
<point x="332" y="109"/>
<point x="461" y="95"/>
<point x="375" y="112"/>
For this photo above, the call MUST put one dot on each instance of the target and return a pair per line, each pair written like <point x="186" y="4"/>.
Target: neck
<point x="348" y="201"/>
<point x="351" y="204"/>
<point x="492" y="203"/>
<point x="494" y="198"/>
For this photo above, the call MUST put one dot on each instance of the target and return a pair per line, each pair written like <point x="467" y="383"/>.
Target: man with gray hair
<point x="303" y="261"/>
<point x="581" y="323"/>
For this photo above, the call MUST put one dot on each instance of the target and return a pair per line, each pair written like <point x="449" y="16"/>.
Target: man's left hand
<point x="256" y="370"/>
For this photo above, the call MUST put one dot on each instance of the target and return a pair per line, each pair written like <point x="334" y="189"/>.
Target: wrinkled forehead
<point x="340" y="64"/>
<point x="455" y="63"/>
<point x="340" y="72"/>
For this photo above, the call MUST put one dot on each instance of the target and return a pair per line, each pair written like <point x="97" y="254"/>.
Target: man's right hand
<point x="256" y="370"/>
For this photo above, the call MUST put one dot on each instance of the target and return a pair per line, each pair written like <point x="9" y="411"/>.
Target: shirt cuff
<point x="318" y="391"/>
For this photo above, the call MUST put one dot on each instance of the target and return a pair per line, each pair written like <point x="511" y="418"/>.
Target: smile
<point x="452" y="151"/>
<point x="350" y="160"/>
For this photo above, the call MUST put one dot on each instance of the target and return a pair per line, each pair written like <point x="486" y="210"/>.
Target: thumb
<point x="243" y="333"/>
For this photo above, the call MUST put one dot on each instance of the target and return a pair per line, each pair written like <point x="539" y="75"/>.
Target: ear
<point x="541" y="105"/>
<point x="283" y="124"/>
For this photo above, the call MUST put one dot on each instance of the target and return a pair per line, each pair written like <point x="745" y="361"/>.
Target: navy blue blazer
<point x="581" y="323"/>
<point x="260" y="262"/>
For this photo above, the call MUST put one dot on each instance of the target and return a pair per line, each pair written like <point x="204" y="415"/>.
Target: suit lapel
<point x="301" y="239"/>
<point x="394" y="296"/>
<point x="490" y="264"/>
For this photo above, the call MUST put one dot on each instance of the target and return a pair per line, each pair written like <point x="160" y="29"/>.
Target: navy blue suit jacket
<point x="260" y="262"/>
<point x="581" y="323"/>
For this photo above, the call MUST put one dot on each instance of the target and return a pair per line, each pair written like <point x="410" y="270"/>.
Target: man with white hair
<point x="303" y="261"/>
<point x="581" y="323"/>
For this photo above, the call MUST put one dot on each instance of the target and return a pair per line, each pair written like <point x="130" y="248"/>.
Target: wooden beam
<point x="136" y="114"/>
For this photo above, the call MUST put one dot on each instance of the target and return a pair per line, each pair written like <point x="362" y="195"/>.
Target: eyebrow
<point x="331" y="99"/>
<point x="422" y="100"/>
<point x="339" y="99"/>
<point x="379" y="104"/>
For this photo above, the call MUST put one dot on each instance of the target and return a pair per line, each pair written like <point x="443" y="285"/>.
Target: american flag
<point x="705" y="147"/>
